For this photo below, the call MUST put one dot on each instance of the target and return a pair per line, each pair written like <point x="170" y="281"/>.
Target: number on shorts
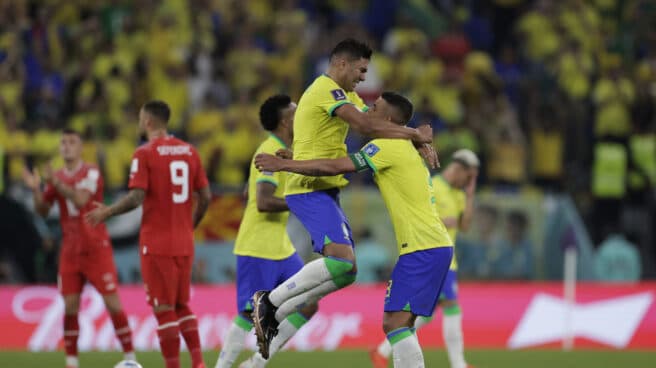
<point x="180" y="176"/>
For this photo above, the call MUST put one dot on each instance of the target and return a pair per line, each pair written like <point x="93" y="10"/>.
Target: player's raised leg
<point x="322" y="216"/>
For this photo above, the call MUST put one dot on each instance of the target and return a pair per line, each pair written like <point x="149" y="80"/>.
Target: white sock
<point x="72" y="361"/>
<point x="406" y="352"/>
<point x="385" y="349"/>
<point x="310" y="276"/>
<point x="233" y="343"/>
<point x="130" y="356"/>
<point x="308" y="297"/>
<point x="255" y="361"/>
<point x="453" y="339"/>
<point x="286" y="329"/>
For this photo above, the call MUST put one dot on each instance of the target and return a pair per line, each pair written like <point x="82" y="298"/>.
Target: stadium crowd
<point x="557" y="96"/>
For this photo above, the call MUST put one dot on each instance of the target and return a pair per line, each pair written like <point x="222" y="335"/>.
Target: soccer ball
<point x="128" y="364"/>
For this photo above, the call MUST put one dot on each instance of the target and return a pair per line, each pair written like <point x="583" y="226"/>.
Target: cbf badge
<point x="338" y="94"/>
<point x="371" y="149"/>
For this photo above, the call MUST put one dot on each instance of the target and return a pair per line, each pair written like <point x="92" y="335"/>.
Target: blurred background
<point x="556" y="97"/>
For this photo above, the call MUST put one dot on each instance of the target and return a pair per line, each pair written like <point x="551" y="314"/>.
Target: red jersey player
<point x="86" y="251"/>
<point x="165" y="175"/>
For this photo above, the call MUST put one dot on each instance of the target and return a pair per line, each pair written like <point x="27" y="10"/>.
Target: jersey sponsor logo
<point x="338" y="94"/>
<point x="371" y="149"/>
<point x="174" y="150"/>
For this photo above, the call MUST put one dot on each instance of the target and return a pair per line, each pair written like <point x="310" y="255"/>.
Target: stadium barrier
<point x="496" y="315"/>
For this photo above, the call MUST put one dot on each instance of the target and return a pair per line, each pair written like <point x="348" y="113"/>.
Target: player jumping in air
<point x="328" y="107"/>
<point x="165" y="176"/>
<point x="425" y="248"/>
<point x="265" y="254"/>
<point x="454" y="192"/>
<point x="86" y="251"/>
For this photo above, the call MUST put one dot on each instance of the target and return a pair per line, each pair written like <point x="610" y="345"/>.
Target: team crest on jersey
<point x="338" y="94"/>
<point x="371" y="149"/>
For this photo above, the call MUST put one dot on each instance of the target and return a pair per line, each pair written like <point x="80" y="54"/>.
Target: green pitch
<point x="359" y="359"/>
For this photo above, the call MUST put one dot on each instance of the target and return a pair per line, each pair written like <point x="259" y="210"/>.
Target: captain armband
<point x="359" y="161"/>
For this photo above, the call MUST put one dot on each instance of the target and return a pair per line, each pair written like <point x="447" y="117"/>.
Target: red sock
<point x="189" y="330"/>
<point x="71" y="332"/>
<point x="123" y="332"/>
<point x="169" y="338"/>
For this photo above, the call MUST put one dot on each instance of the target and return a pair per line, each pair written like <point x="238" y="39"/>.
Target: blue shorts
<point x="417" y="281"/>
<point x="255" y="274"/>
<point x="322" y="217"/>
<point x="450" y="287"/>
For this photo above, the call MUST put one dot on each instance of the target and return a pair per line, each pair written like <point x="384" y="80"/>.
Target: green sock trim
<point x="243" y="323"/>
<point x="426" y="319"/>
<point x="337" y="267"/>
<point x="452" y="310"/>
<point x="399" y="334"/>
<point x="297" y="320"/>
<point x="344" y="280"/>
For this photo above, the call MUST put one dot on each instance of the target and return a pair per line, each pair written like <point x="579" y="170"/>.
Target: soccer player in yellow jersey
<point x="454" y="192"/>
<point x="265" y="254"/>
<point x="328" y="107"/>
<point x="425" y="248"/>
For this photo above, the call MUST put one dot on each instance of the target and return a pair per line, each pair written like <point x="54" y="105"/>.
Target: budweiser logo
<point x="612" y="322"/>
<point x="44" y="308"/>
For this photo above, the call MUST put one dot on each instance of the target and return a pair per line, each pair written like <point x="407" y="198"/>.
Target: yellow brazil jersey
<point x="450" y="203"/>
<point x="406" y="187"/>
<point x="318" y="133"/>
<point x="264" y="234"/>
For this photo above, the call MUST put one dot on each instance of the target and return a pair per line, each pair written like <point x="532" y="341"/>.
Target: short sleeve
<point x="49" y="194"/>
<point x="200" y="180"/>
<point x="357" y="101"/>
<point x="377" y="156"/>
<point x="139" y="170"/>
<point x="90" y="182"/>
<point x="268" y="177"/>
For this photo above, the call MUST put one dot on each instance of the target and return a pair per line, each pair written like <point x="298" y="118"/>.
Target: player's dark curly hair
<point x="158" y="109"/>
<point x="271" y="111"/>
<point x="353" y="49"/>
<point x="402" y="104"/>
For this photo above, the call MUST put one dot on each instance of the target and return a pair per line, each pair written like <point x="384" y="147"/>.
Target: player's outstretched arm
<point x="130" y="201"/>
<point x="372" y="127"/>
<point x="266" y="200"/>
<point x="204" y="198"/>
<point x="321" y="167"/>
<point x="33" y="181"/>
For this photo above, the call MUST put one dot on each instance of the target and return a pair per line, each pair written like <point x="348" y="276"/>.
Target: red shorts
<point x="97" y="267"/>
<point x="167" y="279"/>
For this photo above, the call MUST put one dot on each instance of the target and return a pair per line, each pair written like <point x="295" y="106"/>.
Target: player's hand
<point x="470" y="189"/>
<point x="31" y="178"/>
<point x="285" y="153"/>
<point x="264" y="162"/>
<point x="99" y="214"/>
<point x="425" y="134"/>
<point x="427" y="151"/>
<point x="48" y="173"/>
